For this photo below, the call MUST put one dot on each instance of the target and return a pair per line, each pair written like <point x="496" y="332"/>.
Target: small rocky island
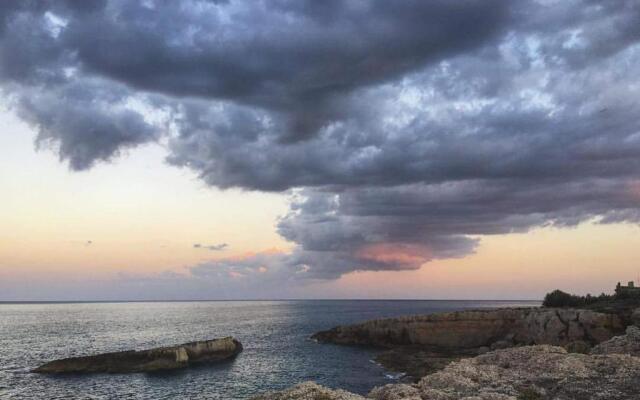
<point x="157" y="359"/>
<point x="588" y="349"/>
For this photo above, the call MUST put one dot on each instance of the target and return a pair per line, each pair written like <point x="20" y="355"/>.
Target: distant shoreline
<point x="10" y="302"/>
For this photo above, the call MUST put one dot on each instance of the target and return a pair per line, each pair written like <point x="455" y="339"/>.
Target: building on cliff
<point x="630" y="290"/>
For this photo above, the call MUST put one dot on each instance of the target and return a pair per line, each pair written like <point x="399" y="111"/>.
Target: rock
<point x="536" y="372"/>
<point x="309" y="391"/>
<point x="161" y="358"/>
<point x="470" y="330"/>
<point x="415" y="362"/>
<point x="578" y="346"/>
<point x="540" y="372"/>
<point x="628" y="343"/>
<point x="501" y="344"/>
<point x="395" y="392"/>
<point x="635" y="317"/>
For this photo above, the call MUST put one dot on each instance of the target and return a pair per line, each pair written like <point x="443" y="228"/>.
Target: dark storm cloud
<point x="402" y="128"/>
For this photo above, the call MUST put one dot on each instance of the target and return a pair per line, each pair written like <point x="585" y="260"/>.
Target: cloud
<point x="212" y="247"/>
<point x="402" y="131"/>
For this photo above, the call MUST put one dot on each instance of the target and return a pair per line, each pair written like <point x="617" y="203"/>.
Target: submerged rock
<point x="161" y="358"/>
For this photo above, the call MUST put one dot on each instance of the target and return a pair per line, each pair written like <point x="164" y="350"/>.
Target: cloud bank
<point x="401" y="130"/>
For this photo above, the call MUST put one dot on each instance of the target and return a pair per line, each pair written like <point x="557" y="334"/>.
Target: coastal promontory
<point x="474" y="329"/>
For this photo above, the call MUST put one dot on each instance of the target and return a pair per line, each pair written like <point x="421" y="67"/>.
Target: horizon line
<point x="242" y="300"/>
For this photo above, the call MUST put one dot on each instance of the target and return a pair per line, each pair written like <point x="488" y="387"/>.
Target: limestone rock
<point x="578" y="346"/>
<point x="635" y="317"/>
<point x="528" y="372"/>
<point x="395" y="392"/>
<point x="628" y="343"/>
<point x="309" y="391"/>
<point x="539" y="372"/>
<point x="464" y="330"/>
<point x="161" y="358"/>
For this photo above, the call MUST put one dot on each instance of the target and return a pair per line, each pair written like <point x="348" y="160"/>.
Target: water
<point x="275" y="334"/>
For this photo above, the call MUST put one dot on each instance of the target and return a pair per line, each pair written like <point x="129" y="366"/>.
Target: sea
<point x="275" y="334"/>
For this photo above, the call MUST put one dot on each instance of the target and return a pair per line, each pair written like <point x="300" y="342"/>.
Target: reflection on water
<point x="275" y="335"/>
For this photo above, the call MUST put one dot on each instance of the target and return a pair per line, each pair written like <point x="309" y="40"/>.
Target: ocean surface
<point x="275" y="334"/>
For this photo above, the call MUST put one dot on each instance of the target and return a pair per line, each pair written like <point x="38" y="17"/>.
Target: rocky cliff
<point x="161" y="358"/>
<point x="477" y="329"/>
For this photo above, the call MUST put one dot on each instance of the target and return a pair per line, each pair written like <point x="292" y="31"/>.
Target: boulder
<point x="628" y="343"/>
<point x="161" y="358"/>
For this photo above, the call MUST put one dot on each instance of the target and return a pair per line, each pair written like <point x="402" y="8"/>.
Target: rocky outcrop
<point x="628" y="343"/>
<point x="161" y="358"/>
<point x="535" y="372"/>
<point x="530" y="372"/>
<point x="309" y="391"/>
<point x="466" y="330"/>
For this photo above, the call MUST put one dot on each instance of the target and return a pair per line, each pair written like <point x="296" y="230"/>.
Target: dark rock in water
<point x="416" y="362"/>
<point x="161" y="358"/>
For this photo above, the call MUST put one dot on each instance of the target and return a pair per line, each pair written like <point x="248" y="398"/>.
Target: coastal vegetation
<point x="622" y="296"/>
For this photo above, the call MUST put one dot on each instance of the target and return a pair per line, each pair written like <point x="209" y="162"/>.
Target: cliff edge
<point x="475" y="329"/>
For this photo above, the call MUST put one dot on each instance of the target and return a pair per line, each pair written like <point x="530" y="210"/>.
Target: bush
<point x="558" y="298"/>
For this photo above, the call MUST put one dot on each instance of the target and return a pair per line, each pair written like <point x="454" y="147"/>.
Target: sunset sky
<point x="277" y="149"/>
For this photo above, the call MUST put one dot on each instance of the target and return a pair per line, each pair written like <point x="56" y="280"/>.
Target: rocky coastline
<point x="418" y="345"/>
<point x="156" y="359"/>
<point x="502" y="354"/>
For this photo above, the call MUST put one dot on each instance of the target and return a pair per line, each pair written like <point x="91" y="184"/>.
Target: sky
<point x="221" y="149"/>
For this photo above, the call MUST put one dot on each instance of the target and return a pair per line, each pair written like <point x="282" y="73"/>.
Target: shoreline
<point x="577" y="353"/>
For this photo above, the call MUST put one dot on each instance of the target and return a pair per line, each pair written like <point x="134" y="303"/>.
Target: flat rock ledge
<point x="157" y="359"/>
<point x="540" y="372"/>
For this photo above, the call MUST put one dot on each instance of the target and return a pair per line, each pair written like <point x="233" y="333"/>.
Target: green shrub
<point x="558" y="298"/>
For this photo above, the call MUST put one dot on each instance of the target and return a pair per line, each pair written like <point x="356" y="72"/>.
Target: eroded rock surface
<point x="465" y="330"/>
<point x="309" y="391"/>
<point x="536" y="372"/>
<point x="628" y="343"/>
<point x="529" y="372"/>
<point x="161" y="358"/>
